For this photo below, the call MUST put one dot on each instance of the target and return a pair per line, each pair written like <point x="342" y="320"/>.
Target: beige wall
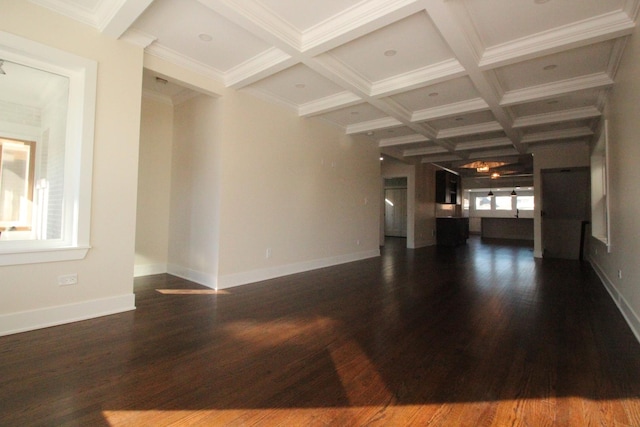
<point x="552" y="157"/>
<point x="29" y="294"/>
<point x="624" y="191"/>
<point x="154" y="187"/>
<point x="298" y="188"/>
<point x="195" y="170"/>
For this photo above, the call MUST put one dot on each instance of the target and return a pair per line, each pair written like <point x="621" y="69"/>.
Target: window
<point x="483" y="203"/>
<point x="503" y="203"/>
<point x="524" y="203"/>
<point x="47" y="106"/>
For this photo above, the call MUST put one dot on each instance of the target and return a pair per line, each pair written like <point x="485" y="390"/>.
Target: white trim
<point x="149" y="269"/>
<point x="425" y="76"/>
<point x="449" y="110"/>
<point x="631" y="317"/>
<point x="550" y="90"/>
<point x="262" y="65"/>
<point x="30" y="320"/>
<point x="470" y="130"/>
<point x="329" y="103"/>
<point x="377" y="124"/>
<point x="178" y="58"/>
<point x="590" y="31"/>
<point x="238" y="279"/>
<point x="402" y="140"/>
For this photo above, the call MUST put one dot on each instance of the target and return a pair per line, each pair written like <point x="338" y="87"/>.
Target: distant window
<point x="503" y="203"/>
<point x="524" y="203"/>
<point x="483" y="203"/>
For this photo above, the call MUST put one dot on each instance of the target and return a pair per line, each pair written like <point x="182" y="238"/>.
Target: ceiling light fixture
<point x="495" y="175"/>
<point x="301" y="86"/>
<point x="205" y="37"/>
<point x="161" y="81"/>
<point x="390" y="52"/>
<point x="432" y="94"/>
<point x="1" y="69"/>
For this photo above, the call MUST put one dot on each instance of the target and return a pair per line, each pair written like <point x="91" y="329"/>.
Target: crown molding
<point x="263" y="21"/>
<point x="557" y="117"/>
<point x="351" y="78"/>
<point x="73" y="11"/>
<point x="330" y="103"/>
<point x="386" y="122"/>
<point x="265" y="96"/>
<point x="260" y="66"/>
<point x="114" y="18"/>
<point x="470" y="130"/>
<point x="485" y="143"/>
<point x="550" y="90"/>
<point x="402" y="140"/>
<point x="589" y="31"/>
<point x="557" y="134"/>
<point x="184" y="61"/>
<point x="425" y="151"/>
<point x="444" y="158"/>
<point x="494" y="153"/>
<point x="449" y="110"/>
<point x="357" y="20"/>
<point x="430" y="75"/>
<point x="138" y="38"/>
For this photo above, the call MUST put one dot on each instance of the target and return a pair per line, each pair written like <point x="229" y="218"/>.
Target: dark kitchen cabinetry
<point x="447" y="187"/>
<point x="452" y="231"/>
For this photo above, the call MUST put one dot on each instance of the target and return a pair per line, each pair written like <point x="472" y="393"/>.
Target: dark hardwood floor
<point x="477" y="335"/>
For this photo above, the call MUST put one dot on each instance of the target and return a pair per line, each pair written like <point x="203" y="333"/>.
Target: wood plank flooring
<point x="479" y="335"/>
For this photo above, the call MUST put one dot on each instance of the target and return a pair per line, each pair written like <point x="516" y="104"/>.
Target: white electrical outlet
<point x="619" y="274"/>
<point x="358" y="242"/>
<point x="68" y="279"/>
<point x="267" y="254"/>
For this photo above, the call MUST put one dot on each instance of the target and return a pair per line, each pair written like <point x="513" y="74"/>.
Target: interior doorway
<point x="395" y="207"/>
<point x="565" y="205"/>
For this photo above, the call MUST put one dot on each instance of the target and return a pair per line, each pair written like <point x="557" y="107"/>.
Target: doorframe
<point x="411" y="178"/>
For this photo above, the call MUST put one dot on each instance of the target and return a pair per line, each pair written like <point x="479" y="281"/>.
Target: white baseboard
<point x="149" y="269"/>
<point x="30" y="320"/>
<point x="238" y="279"/>
<point x="627" y="311"/>
<point x="205" y="279"/>
<point x="424" y="243"/>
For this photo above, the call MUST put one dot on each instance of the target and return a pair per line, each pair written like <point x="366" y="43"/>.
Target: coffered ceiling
<point x="426" y="80"/>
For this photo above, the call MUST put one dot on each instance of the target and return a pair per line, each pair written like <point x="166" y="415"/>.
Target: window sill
<point x="40" y="255"/>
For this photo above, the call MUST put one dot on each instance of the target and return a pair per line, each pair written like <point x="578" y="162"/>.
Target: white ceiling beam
<point x="557" y="134"/>
<point x="330" y="103"/>
<point x="443" y="158"/>
<point x="425" y="151"/>
<point x="485" y="143"/>
<point x="402" y="140"/>
<point x="470" y="130"/>
<point x="597" y="29"/>
<point x="450" y="110"/>
<point x="551" y="90"/>
<point x="557" y="117"/>
<point x="260" y="66"/>
<point x="493" y="153"/>
<point x="465" y="44"/>
<point x="118" y="16"/>
<point x="371" y="125"/>
<point x="415" y="79"/>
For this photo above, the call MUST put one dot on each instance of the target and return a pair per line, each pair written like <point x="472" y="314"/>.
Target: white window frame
<point x="82" y="74"/>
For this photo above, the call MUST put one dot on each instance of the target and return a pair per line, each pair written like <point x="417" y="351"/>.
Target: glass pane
<point x="524" y="203"/>
<point x="503" y="203"/>
<point x="32" y="175"/>
<point x="14" y="184"/>
<point x="483" y="203"/>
